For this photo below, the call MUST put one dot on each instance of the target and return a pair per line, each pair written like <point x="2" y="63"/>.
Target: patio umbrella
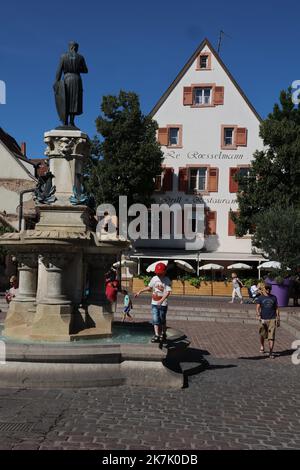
<point x="125" y="263"/>
<point x="211" y="267"/>
<point x="270" y="265"/>
<point x="151" y="268"/>
<point x="239" y="266"/>
<point x="184" y="265"/>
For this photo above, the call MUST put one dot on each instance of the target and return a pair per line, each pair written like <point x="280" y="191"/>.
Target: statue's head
<point x="73" y="46"/>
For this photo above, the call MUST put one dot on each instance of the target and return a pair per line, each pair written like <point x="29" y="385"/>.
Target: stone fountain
<point x="51" y="328"/>
<point x="62" y="255"/>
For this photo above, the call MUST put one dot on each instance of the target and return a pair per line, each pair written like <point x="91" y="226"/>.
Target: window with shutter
<point x="183" y="180"/>
<point x="228" y="136"/>
<point x="231" y="224"/>
<point x="218" y="95"/>
<point x="174" y="135"/>
<point x="233" y="184"/>
<point x="202" y="96"/>
<point x="213" y="178"/>
<point x="187" y="96"/>
<point x="198" y="179"/>
<point x="163" y="136"/>
<point x="241" y="136"/>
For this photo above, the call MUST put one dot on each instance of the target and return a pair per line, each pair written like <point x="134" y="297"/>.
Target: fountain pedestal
<point x="67" y="252"/>
<point x="22" y="307"/>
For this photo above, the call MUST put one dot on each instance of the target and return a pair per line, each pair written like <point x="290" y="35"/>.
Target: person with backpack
<point x="127" y="306"/>
<point x="236" y="288"/>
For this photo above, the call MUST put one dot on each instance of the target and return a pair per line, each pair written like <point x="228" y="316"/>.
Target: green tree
<point x="274" y="178"/>
<point x="277" y="235"/>
<point x="269" y="197"/>
<point x="127" y="158"/>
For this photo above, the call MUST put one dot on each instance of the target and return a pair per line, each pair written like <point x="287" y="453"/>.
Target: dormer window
<point x="203" y="61"/>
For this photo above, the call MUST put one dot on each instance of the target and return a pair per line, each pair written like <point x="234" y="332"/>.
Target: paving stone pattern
<point x="232" y="403"/>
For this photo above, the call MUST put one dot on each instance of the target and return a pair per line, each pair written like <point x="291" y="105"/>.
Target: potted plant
<point x="280" y="282"/>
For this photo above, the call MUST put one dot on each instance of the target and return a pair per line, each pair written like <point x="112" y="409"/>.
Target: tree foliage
<point x="277" y="234"/>
<point x="274" y="178"/>
<point x="127" y="158"/>
<point x="269" y="198"/>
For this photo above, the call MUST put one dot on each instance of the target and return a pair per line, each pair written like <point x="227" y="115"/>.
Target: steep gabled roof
<point x="10" y="143"/>
<point x="14" y="149"/>
<point x="183" y="71"/>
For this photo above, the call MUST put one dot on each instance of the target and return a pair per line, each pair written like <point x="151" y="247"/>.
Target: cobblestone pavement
<point x="234" y="340"/>
<point x="239" y="401"/>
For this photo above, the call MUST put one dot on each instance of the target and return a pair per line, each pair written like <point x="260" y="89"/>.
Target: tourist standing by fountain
<point x="12" y="292"/>
<point x="160" y="285"/>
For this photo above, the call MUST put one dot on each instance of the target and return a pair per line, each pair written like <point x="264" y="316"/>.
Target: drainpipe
<point x="25" y="191"/>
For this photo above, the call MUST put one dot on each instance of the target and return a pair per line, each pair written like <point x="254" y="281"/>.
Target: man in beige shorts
<point x="267" y="312"/>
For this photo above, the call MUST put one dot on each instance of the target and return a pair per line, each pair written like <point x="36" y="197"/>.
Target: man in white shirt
<point x="160" y="285"/>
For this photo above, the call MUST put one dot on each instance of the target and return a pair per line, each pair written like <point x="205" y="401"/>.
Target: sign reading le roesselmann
<point x="195" y="155"/>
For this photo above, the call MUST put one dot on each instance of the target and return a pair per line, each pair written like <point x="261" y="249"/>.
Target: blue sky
<point x="138" y="46"/>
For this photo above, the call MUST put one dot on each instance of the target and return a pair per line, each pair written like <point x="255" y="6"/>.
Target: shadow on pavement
<point x="286" y="352"/>
<point x="190" y="362"/>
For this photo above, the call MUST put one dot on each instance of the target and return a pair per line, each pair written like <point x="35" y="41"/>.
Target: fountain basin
<point x="84" y="364"/>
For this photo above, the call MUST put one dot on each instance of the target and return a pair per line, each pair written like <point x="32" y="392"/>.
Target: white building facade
<point x="209" y="132"/>
<point x="17" y="173"/>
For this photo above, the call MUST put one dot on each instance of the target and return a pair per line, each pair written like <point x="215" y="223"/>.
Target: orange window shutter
<point x="210" y="222"/>
<point x="213" y="180"/>
<point x="233" y="184"/>
<point x="187" y="96"/>
<point x="241" y="136"/>
<point x="183" y="180"/>
<point x="168" y="179"/>
<point x="231" y="225"/>
<point x="219" y="95"/>
<point x="163" y="136"/>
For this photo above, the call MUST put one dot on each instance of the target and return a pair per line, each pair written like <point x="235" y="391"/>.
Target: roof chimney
<point x="23" y="148"/>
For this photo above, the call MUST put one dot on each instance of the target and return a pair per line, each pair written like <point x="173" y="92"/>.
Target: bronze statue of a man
<point x="68" y="91"/>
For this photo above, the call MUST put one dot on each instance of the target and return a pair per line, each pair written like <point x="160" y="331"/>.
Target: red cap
<point x="160" y="268"/>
